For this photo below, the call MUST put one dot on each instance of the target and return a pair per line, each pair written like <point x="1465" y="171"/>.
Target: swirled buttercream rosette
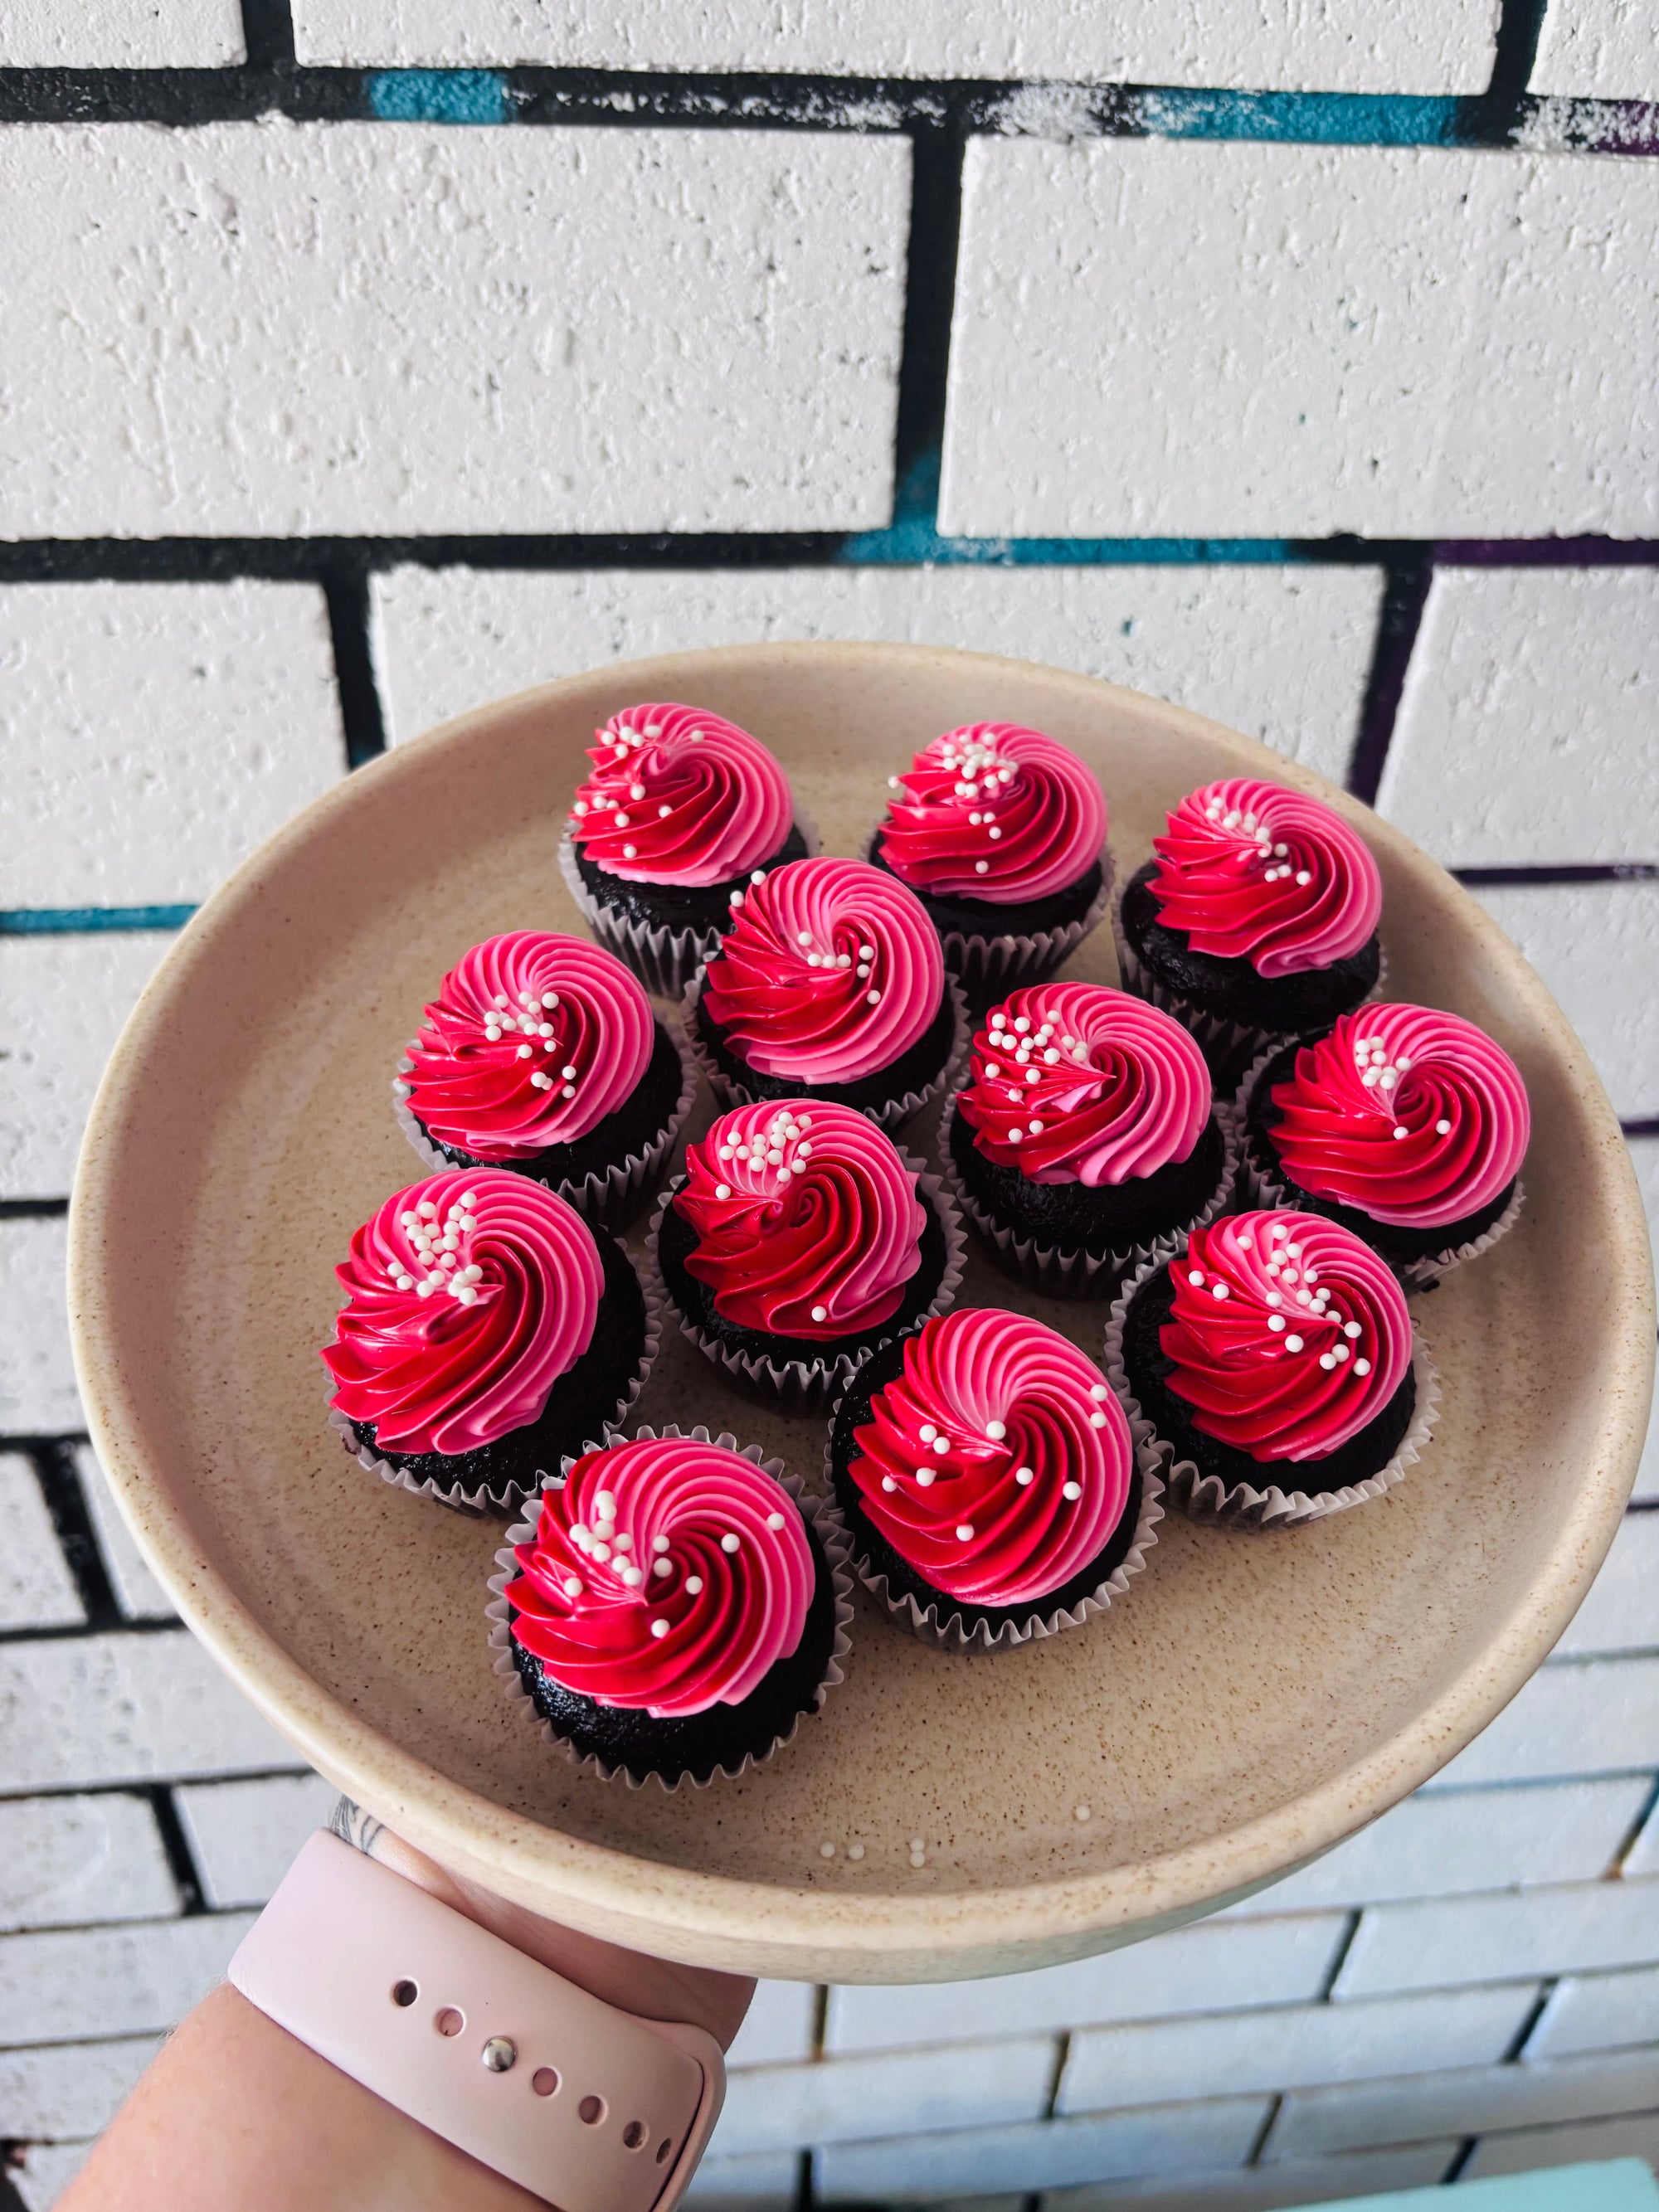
<point x="1404" y="1123"/>
<point x="541" y="1054"/>
<point x="483" y="1315"/>
<point x="994" y="1489"/>
<point x="800" y="1236"/>
<point x="1235" y="1317"/>
<point x="716" y="1587"/>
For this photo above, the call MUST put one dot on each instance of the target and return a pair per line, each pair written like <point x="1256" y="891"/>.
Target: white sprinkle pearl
<point x="1293" y="1343"/>
<point x="927" y="1432"/>
<point x="964" y="1532"/>
<point x="1071" y="1490"/>
<point x="996" y="1430"/>
<point x="941" y="1444"/>
<point x="659" y="1628"/>
<point x="1350" y="1328"/>
<point x="1276" y="1321"/>
<point x="925" y="1478"/>
<point x="888" y="1483"/>
<point x="820" y="1313"/>
<point x="856" y="1850"/>
<point x="1097" y="1420"/>
<point x="775" y="1520"/>
<point x="729" y="1541"/>
<point x="1081" y="1811"/>
<point x="1218" y="1290"/>
<point x="1362" y="1367"/>
<point x="1443" y="1128"/>
<point x="722" y="1190"/>
<point x="1023" y="1475"/>
<point x="573" y="1586"/>
<point x="694" y="1585"/>
<point x="1195" y="1276"/>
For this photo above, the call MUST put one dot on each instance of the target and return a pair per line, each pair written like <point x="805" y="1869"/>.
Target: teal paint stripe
<point x="439" y="96"/>
<point x="73" y="920"/>
<point x="1319" y="118"/>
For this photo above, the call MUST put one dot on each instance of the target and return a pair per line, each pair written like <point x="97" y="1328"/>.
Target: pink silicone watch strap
<point x="591" y="2107"/>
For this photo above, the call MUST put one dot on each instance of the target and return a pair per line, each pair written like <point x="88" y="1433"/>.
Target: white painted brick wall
<point x="1282" y="653"/>
<point x="1188" y="339"/>
<point x="87" y="1981"/>
<point x="65" y="999"/>
<point x="123" y="1708"/>
<point x="1644" y="1152"/>
<point x="69" y="2091"/>
<point x="1314" y="2122"/>
<point x="404" y="327"/>
<point x="767" y="2180"/>
<point x="1292" y="2048"/>
<point x="1504" y="1937"/>
<point x="64" y="1861"/>
<point x="777" y="2027"/>
<point x="1346" y="47"/>
<point x="38" y="1396"/>
<point x="1308" y="2181"/>
<point x="1525" y="733"/>
<point x="37" y="1590"/>
<point x="772" y="2107"/>
<point x="138" y="1593"/>
<point x="1598" y="50"/>
<point x="243" y="1835"/>
<point x="1588" y="941"/>
<point x="44" y="2169"/>
<point x="1582" y="1719"/>
<point x="121" y="34"/>
<point x="154" y="733"/>
<point x="1218" y="1964"/>
<point x="1589" y="2141"/>
<point x="1598" y="2012"/>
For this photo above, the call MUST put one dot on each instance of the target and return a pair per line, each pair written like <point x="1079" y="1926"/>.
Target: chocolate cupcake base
<point x="619" y="1743"/>
<point x="1211" y="1480"/>
<point x="992" y="949"/>
<point x="933" y="1615"/>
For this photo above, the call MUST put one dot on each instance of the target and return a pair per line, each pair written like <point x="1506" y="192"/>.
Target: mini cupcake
<point x="485" y="1324"/>
<point x="1257" y="920"/>
<point x="541" y="1054"/>
<point x="992" y="1486"/>
<point x="1277" y="1363"/>
<point x="828" y="984"/>
<point x="1001" y="832"/>
<point x="799" y="1237"/>
<point x="680" y="811"/>
<point x="671" y="1607"/>
<point x="1407" y="1125"/>
<point x="1086" y="1134"/>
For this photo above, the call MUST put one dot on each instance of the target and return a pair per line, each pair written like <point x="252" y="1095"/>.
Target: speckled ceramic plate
<point x="1251" y="1702"/>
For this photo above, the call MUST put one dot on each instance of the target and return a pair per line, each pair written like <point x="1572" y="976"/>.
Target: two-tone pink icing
<point x="1255" y="871"/>
<point x="997" y="1463"/>
<point x="1075" y="1083"/>
<point x="679" y="795"/>
<point x="1288" y="1335"/>
<point x="995" y="811"/>
<point x="1413" y="1116"/>
<point x="831" y="970"/>
<point x="530" y="1042"/>
<point x="807" y="1219"/>
<point x="665" y="1576"/>
<point x="467" y="1297"/>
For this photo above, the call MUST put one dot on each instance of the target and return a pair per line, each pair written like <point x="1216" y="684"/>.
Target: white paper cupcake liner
<point x="482" y="1498"/>
<point x="893" y="1115"/>
<point x="607" y="1198"/>
<point x="662" y="958"/>
<point x="941" y="1622"/>
<point x="822" y="1516"/>
<point x="988" y="966"/>
<point x="1078" y="1274"/>
<point x="1263" y="1190"/>
<point x="800" y="1386"/>
<point x="1243" y="1505"/>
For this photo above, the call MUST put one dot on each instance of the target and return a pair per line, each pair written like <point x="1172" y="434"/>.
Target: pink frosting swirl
<point x="998" y="1464"/>
<point x="1075" y="1083"/>
<point x="1255" y="871"/>
<point x="996" y="812"/>
<point x="1413" y="1116"/>
<point x="532" y="1041"/>
<point x="666" y="1575"/>
<point x="467" y="1297"/>
<point x="831" y="970"/>
<point x="1288" y="1335"/>
<point x="807" y="1219"/>
<point x="679" y="796"/>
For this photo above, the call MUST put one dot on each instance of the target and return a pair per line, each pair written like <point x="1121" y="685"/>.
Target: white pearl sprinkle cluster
<point x="981" y="776"/>
<point x="1301" y="1284"/>
<point x="607" y="1545"/>
<point x="1249" y="825"/>
<point x="756" y="876"/>
<point x="995" y="1431"/>
<point x="628" y="740"/>
<point x="1377" y="1071"/>
<point x="783" y="1152"/>
<point x="1030" y="1051"/>
<point x="530" y="1023"/>
<point x="437" y="1250"/>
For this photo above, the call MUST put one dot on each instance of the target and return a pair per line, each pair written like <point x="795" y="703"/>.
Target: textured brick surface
<point x="1592" y="2140"/>
<point x="69" y="1860"/>
<point x="1255" y="2189"/>
<point x="154" y="733"/>
<point x="1644" y="1152"/>
<point x="121" y="34"/>
<point x="769" y="2179"/>
<point x="69" y="2091"/>
<point x="1525" y="733"/>
<point x="403" y="327"/>
<point x="123" y="1708"/>
<point x="1345" y="47"/>
<point x="1501" y="1938"/>
<point x="1587" y="940"/>
<point x="37" y="1590"/>
<point x="1185" y="338"/>
<point x="64" y="999"/>
<point x="777" y="2027"/>
<point x="1279" y="652"/>
<point x="1593" y="1717"/>
<point x="138" y="1593"/>
<point x="1598" y="2012"/>
<point x="1599" y="50"/>
<point x="38" y="1394"/>
<point x="243" y="1835"/>
<point x="1290" y="2048"/>
<point x="81" y="1982"/>
<point x="1314" y="2121"/>
<point x="44" y="2169"/>
<point x="771" y="2107"/>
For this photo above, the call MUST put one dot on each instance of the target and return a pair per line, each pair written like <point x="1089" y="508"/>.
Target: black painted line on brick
<point x="1628" y="1844"/>
<point x="347" y="596"/>
<point x="930" y="291"/>
<point x="1341" y="1960"/>
<point x="32" y="1209"/>
<point x="268" y="32"/>
<point x="72" y="1519"/>
<point x="1502" y="108"/>
<point x="182" y="97"/>
<point x="1057" y="2073"/>
<point x="129" y="1788"/>
<point x="1269" y="2121"/>
<point x="1645" y="1126"/>
<point x="820" y="2018"/>
<point x="1522" y="2035"/>
<point x="1460" y="2158"/>
<point x="1564" y="872"/>
<point x="1404" y="596"/>
<point x="181" y="1859"/>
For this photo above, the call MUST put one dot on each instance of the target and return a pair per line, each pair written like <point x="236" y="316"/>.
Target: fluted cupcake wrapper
<point x="1245" y="1504"/>
<point x="606" y="1199"/>
<point x="482" y="1498"/>
<point x="891" y="1116"/>
<point x="1265" y="1190"/>
<point x="988" y="966"/>
<point x="820" y="1515"/>
<point x="800" y="1386"/>
<point x="662" y="958"/>
<point x="1079" y="1274"/>
<point x="940" y="1622"/>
